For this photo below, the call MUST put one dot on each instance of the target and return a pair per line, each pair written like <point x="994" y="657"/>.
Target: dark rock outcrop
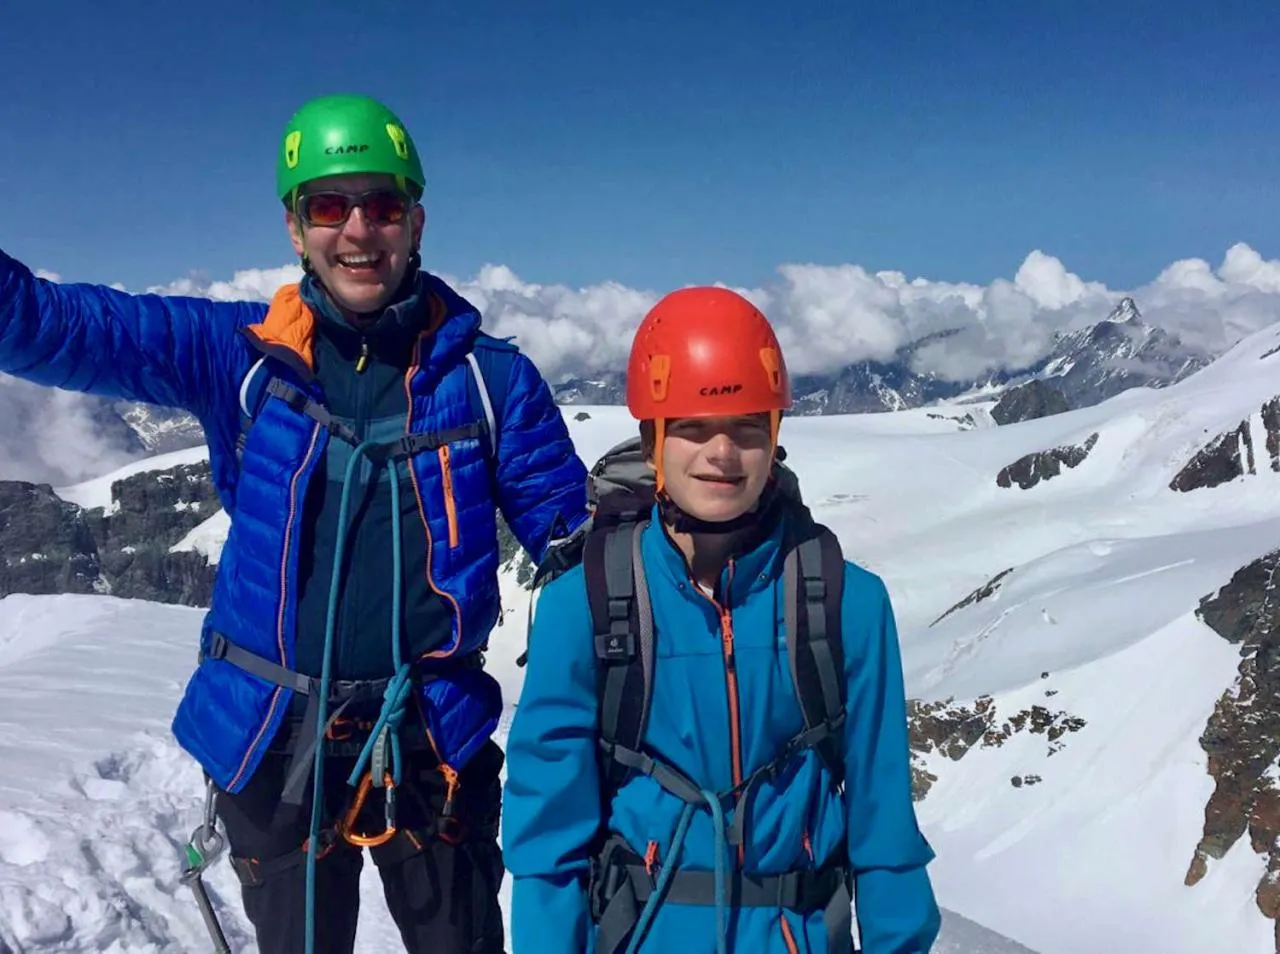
<point x="48" y="545"/>
<point x="1030" y="470"/>
<point x="953" y="730"/>
<point x="1242" y="737"/>
<point x="1027" y="402"/>
<point x="966" y="421"/>
<point x="1233" y="453"/>
<point x="983" y="592"/>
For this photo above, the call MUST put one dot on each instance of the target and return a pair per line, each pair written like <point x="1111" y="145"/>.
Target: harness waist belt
<point x="801" y="891"/>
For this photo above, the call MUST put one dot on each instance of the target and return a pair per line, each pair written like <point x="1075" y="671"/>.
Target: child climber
<point x="710" y="750"/>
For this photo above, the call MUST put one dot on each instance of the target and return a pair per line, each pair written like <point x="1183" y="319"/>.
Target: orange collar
<point x="290" y="324"/>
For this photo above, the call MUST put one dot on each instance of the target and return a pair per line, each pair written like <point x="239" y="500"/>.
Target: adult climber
<point x="363" y="434"/>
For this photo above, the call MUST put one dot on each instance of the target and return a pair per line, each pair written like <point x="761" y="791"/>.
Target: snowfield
<point x="1071" y="843"/>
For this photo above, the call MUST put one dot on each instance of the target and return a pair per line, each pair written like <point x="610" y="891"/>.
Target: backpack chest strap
<point x="399" y="449"/>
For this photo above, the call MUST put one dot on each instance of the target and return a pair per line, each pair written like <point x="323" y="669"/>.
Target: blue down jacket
<point x="797" y="820"/>
<point x="193" y="354"/>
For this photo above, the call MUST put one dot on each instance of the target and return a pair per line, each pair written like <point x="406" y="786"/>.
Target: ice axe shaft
<point x="220" y="944"/>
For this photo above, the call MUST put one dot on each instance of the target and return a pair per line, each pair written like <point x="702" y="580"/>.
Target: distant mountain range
<point x="1087" y="366"/>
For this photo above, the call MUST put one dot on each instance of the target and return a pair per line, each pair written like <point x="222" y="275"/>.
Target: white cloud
<point x="252" y="284"/>
<point x="827" y="316"/>
<point x="1244" y="266"/>
<point x="564" y="330"/>
<point x="1046" y="281"/>
<point x="58" y="437"/>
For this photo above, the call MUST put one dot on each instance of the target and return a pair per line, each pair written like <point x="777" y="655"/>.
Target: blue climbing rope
<point x="650" y="908"/>
<point x="394" y="696"/>
<point x="664" y="878"/>
<point x="722" y="848"/>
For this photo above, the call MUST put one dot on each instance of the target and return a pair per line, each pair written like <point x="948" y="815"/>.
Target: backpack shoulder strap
<point x="490" y="360"/>
<point x="813" y="577"/>
<point x="620" y="494"/>
<point x="253" y="392"/>
<point x="622" y="623"/>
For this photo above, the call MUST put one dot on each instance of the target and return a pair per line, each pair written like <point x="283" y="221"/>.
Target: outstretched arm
<point x="541" y="481"/>
<point x="897" y="912"/>
<point x="551" y="807"/>
<point x="162" y="350"/>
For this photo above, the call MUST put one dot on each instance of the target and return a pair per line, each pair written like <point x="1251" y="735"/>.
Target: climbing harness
<point x="379" y="762"/>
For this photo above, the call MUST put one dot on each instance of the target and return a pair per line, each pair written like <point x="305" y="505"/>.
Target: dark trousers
<point x="443" y="896"/>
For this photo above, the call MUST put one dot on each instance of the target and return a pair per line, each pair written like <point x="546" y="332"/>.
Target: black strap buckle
<point x="217" y="647"/>
<point x="615" y="647"/>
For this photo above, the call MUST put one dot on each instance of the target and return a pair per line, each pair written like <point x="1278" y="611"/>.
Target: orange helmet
<point x="705" y="352"/>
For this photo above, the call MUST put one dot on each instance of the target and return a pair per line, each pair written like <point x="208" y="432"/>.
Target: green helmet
<point x="334" y="135"/>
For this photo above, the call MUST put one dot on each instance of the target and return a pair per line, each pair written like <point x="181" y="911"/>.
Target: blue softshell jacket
<point x="194" y="353"/>
<point x="717" y="730"/>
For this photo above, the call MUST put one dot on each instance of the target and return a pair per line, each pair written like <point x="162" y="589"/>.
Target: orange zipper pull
<point x="452" y="785"/>
<point x="726" y="636"/>
<point x="651" y="858"/>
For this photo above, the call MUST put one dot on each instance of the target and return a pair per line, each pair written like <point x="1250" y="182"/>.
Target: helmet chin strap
<point x="680" y="521"/>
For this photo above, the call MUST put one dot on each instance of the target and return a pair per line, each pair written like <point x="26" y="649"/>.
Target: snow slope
<point x="1093" y="620"/>
<point x="96" y="798"/>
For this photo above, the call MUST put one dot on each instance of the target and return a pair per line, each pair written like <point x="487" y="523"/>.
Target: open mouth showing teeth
<point x="365" y="260"/>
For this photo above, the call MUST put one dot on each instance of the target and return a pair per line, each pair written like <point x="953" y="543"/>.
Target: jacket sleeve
<point x="541" y="481"/>
<point x="162" y="350"/>
<point x="551" y="807"/>
<point x="896" y="909"/>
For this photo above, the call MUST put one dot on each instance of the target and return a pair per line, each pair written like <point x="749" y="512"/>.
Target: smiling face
<point x="716" y="468"/>
<point x="360" y="261"/>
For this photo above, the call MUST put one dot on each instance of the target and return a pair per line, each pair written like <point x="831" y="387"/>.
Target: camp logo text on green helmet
<point x="343" y="134"/>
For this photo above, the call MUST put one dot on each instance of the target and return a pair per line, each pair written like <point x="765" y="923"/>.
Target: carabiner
<point x="346" y="827"/>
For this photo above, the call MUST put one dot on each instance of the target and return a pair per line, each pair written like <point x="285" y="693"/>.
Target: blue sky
<point x="660" y="143"/>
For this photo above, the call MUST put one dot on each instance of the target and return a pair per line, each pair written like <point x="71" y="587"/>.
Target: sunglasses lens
<point x="386" y="208"/>
<point x="325" y="208"/>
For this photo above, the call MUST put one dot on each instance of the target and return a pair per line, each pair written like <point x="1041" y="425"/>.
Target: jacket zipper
<point x="731" y="676"/>
<point x="787" y="937"/>
<point x="450" y="505"/>
<point x="350" y="582"/>
<point x="731" y="685"/>
<point x="422" y="514"/>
